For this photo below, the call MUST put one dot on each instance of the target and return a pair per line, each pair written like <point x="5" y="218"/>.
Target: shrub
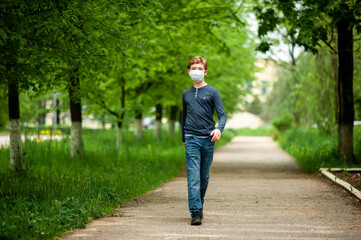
<point x="284" y="122"/>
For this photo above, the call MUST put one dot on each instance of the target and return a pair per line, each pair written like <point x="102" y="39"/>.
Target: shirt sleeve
<point x="222" y="117"/>
<point x="184" y="115"/>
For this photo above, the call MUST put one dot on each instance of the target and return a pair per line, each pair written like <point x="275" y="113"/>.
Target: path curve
<point x="256" y="191"/>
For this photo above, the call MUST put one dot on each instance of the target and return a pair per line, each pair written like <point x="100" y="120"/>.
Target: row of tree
<point x="308" y="90"/>
<point x="118" y="57"/>
<point x="313" y="25"/>
<point x="126" y="58"/>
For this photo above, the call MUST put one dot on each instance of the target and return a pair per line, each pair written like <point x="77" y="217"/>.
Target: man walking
<point x="199" y="133"/>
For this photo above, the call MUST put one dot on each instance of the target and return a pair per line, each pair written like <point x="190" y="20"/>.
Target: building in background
<point x="258" y="91"/>
<point x="265" y="79"/>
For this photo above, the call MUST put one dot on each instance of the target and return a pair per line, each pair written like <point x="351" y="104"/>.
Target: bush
<point x="255" y="106"/>
<point x="284" y="122"/>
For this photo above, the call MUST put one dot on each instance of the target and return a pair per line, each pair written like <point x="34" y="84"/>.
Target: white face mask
<point x="196" y="75"/>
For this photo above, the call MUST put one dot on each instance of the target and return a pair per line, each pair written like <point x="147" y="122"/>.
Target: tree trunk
<point x="138" y="125"/>
<point x="121" y="118"/>
<point x="296" y="80"/>
<point x="41" y="116"/>
<point x="345" y="76"/>
<point x="297" y="119"/>
<point x="103" y="121"/>
<point x="57" y="112"/>
<point x="119" y="135"/>
<point x="55" y="106"/>
<point x="17" y="163"/>
<point x="158" y="122"/>
<point x="172" y="119"/>
<point x="76" y="145"/>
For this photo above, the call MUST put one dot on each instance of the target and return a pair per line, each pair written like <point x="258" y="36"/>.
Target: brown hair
<point x="197" y="59"/>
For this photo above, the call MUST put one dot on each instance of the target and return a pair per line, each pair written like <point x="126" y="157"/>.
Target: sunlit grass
<point x="261" y="131"/>
<point x="229" y="134"/>
<point x="313" y="150"/>
<point x="60" y="193"/>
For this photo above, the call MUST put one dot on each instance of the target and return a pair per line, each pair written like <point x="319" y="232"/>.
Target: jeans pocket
<point x="188" y="138"/>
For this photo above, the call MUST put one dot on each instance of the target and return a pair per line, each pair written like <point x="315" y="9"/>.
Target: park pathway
<point x="256" y="191"/>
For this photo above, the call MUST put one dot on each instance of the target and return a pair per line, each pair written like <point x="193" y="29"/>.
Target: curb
<point x="340" y="182"/>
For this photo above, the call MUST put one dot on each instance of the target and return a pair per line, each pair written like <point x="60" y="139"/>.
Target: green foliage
<point x="313" y="149"/>
<point x="281" y="99"/>
<point x="27" y="107"/>
<point x="255" y="106"/>
<point x="357" y="83"/>
<point x="357" y="107"/>
<point x="284" y="122"/>
<point x="306" y="90"/>
<point x="4" y="117"/>
<point x="143" y="46"/>
<point x="313" y="24"/>
<point x="306" y="23"/>
<point x="160" y="64"/>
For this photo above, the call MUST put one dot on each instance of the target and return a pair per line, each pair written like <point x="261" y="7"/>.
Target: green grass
<point x="261" y="131"/>
<point x="59" y="193"/>
<point x="313" y="150"/>
<point x="4" y="131"/>
<point x="226" y="137"/>
<point x="229" y="134"/>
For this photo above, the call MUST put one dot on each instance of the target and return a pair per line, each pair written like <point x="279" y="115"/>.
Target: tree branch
<point x="333" y="50"/>
<point x="193" y="16"/>
<point x="224" y="45"/>
<point x="103" y="105"/>
<point x="27" y="4"/>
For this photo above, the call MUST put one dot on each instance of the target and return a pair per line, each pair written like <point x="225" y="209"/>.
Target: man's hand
<point x="184" y="143"/>
<point x="216" y="135"/>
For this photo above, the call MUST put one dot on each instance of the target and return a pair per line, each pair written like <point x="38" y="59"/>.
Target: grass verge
<point x="229" y="134"/>
<point x="59" y="193"/>
<point x="313" y="150"/>
<point x="261" y="131"/>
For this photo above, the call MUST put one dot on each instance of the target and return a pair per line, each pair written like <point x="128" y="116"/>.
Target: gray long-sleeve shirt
<point x="198" y="109"/>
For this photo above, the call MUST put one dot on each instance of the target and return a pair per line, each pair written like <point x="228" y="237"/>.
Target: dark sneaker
<point x="196" y="219"/>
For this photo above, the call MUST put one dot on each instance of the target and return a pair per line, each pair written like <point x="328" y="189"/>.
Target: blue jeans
<point x="199" y="157"/>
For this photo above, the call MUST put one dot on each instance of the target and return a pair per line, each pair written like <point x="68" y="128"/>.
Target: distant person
<point x="199" y="133"/>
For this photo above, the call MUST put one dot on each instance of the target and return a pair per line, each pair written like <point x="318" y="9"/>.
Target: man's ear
<point x="188" y="70"/>
<point x="205" y="72"/>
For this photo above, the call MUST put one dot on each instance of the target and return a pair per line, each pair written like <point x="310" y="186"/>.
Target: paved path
<point x="4" y="140"/>
<point x="256" y="191"/>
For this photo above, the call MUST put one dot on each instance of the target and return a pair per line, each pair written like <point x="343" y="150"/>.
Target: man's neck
<point x="200" y="84"/>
